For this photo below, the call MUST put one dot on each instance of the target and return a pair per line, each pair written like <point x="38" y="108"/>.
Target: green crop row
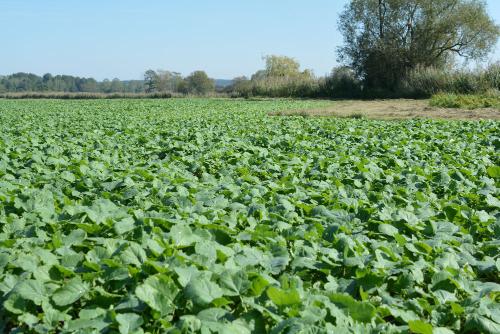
<point x="208" y="216"/>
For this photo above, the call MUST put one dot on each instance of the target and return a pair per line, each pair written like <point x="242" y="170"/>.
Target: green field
<point x="199" y="215"/>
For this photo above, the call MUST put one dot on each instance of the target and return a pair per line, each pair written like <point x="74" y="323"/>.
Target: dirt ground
<point x="394" y="109"/>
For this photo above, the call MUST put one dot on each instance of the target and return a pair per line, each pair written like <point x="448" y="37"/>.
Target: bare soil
<point x="393" y="110"/>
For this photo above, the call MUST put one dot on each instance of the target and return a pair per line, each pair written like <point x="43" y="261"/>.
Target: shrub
<point x="341" y="83"/>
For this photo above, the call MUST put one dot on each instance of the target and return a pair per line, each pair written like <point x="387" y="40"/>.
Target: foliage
<point x="162" y="81"/>
<point x="278" y="87"/>
<point x="183" y="215"/>
<point x="27" y="82"/>
<point x="150" y="81"/>
<point x="284" y="67"/>
<point x="384" y="39"/>
<point x="341" y="83"/>
<point x="281" y="77"/>
<point x="199" y="83"/>
<point x="466" y="101"/>
<point x="424" y="82"/>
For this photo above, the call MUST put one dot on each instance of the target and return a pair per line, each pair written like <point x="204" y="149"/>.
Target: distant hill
<point x="223" y="82"/>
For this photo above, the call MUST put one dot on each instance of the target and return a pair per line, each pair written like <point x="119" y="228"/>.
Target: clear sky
<point x="123" y="38"/>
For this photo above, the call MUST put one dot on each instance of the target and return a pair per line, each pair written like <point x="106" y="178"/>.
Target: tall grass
<point x="425" y="82"/>
<point x="450" y="100"/>
<point x="278" y="87"/>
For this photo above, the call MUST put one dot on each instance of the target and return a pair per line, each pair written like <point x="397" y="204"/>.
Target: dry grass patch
<point x="393" y="109"/>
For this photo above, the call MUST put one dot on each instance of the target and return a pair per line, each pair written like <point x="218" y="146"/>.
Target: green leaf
<point x="32" y="290"/>
<point x="158" y="292"/>
<point x="420" y="327"/>
<point x="70" y="292"/>
<point x="182" y="235"/>
<point x="494" y="171"/>
<point x="98" y="323"/>
<point x="283" y="297"/>
<point x="40" y="202"/>
<point x="75" y="237"/>
<point x="68" y="176"/>
<point x="482" y="324"/>
<point x="125" y="225"/>
<point x="103" y="209"/>
<point x="259" y="285"/>
<point x="202" y="291"/>
<point x="492" y="201"/>
<point x="29" y="319"/>
<point x="129" y="323"/>
<point x="388" y="229"/>
<point x="16" y="304"/>
<point x="359" y="311"/>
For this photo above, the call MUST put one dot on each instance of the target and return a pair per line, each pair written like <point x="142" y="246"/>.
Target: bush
<point x="341" y="83"/>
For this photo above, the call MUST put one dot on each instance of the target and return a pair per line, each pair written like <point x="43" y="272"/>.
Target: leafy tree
<point x="167" y="81"/>
<point x="259" y="75"/>
<point x="198" y="82"/>
<point x="182" y="87"/>
<point x="161" y="81"/>
<point x="150" y="81"/>
<point x="106" y="86"/>
<point x="386" y="38"/>
<point x="240" y="86"/>
<point x="284" y="67"/>
<point x="116" y="85"/>
<point x="240" y="81"/>
<point x="90" y="85"/>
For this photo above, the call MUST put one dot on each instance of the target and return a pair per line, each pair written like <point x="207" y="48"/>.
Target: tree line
<point x="28" y="82"/>
<point x="159" y="81"/>
<point x="197" y="83"/>
<point x="391" y="48"/>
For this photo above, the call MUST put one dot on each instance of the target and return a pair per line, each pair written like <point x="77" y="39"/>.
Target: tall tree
<point x="198" y="82"/>
<point x="167" y="81"/>
<point x="284" y="67"/>
<point x="150" y="81"/>
<point x="383" y="39"/>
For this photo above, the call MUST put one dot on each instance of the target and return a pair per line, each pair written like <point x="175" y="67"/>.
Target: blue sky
<point x="123" y="38"/>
